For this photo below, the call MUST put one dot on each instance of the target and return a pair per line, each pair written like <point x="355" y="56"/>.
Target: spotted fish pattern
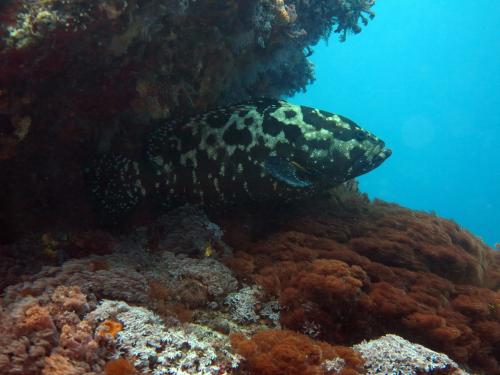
<point x="258" y="150"/>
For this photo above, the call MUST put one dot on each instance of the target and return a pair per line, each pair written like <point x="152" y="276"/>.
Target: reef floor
<point x="337" y="285"/>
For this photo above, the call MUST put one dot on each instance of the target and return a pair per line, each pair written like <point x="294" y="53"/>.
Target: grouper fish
<point x="256" y="151"/>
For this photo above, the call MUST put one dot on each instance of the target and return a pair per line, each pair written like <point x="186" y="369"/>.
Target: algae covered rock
<point x="78" y="78"/>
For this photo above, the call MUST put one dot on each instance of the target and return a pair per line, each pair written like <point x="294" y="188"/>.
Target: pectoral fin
<point x="285" y="171"/>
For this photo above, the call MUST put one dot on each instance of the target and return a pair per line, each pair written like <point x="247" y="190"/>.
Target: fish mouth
<point x="385" y="153"/>
<point x="380" y="157"/>
<point x="368" y="162"/>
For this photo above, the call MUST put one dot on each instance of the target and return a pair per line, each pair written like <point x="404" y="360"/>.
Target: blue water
<point x="425" y="77"/>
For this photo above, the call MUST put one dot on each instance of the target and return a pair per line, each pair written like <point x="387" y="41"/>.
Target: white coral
<point x="188" y="349"/>
<point x="242" y="304"/>
<point x="391" y="354"/>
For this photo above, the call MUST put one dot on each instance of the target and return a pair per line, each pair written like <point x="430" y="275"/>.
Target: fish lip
<point x="386" y="152"/>
<point x="377" y="157"/>
<point x="381" y="156"/>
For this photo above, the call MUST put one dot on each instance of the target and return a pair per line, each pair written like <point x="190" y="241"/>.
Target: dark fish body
<point x="259" y="150"/>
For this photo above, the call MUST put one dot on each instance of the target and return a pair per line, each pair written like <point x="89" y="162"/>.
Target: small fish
<point x="259" y="150"/>
<point x="208" y="250"/>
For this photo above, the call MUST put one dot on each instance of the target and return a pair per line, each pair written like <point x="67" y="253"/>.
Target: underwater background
<point x="150" y="224"/>
<point x="426" y="79"/>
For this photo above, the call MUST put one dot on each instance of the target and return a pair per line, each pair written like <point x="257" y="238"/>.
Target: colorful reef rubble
<point x="332" y="284"/>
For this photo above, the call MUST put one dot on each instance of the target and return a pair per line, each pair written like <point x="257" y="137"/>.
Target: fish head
<point x="331" y="149"/>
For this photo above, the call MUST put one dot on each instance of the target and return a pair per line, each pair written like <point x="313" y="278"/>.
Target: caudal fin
<point x="115" y="185"/>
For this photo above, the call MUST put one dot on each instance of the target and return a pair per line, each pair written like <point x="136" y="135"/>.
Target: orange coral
<point x="57" y="364"/>
<point x="285" y="352"/>
<point x="119" y="366"/>
<point x="286" y="13"/>
<point x="37" y="318"/>
<point x="109" y="326"/>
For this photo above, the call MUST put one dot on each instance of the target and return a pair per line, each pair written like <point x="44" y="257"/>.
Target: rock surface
<point x="78" y="78"/>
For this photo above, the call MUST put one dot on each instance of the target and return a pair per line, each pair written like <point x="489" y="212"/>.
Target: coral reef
<point x="392" y="354"/>
<point x="185" y="230"/>
<point x="264" y="290"/>
<point x="50" y="248"/>
<point x="104" y="283"/>
<point x="74" y="75"/>
<point x="248" y="305"/>
<point x="215" y="278"/>
<point x="348" y="269"/>
<point x="190" y="349"/>
<point x="109" y="326"/>
<point x="173" y="308"/>
<point x="122" y="334"/>
<point x="173" y="285"/>
<point x="50" y="335"/>
<point x="119" y="366"/>
<point x="285" y="352"/>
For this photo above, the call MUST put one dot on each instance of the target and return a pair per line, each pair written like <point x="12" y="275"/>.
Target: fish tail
<point x="116" y="186"/>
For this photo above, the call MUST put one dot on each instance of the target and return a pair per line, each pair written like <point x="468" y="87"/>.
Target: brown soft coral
<point x="323" y="292"/>
<point x="119" y="366"/>
<point x="70" y="298"/>
<point x="57" y="364"/>
<point x="349" y="270"/>
<point x="77" y="341"/>
<point x="285" y="352"/>
<point x="400" y="237"/>
<point x="102" y="280"/>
